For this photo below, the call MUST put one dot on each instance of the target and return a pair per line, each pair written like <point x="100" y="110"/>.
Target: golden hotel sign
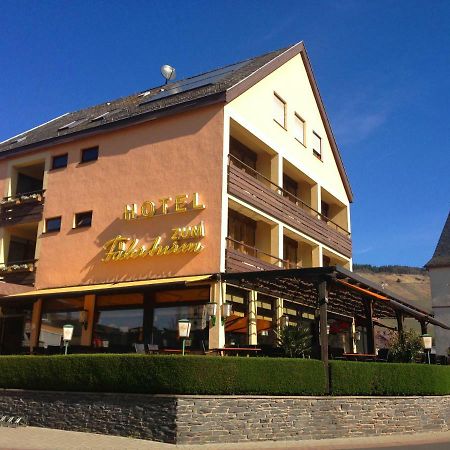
<point x="182" y="239"/>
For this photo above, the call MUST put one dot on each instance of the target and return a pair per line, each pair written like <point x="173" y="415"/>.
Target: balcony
<point x="241" y="257"/>
<point x="20" y="272"/>
<point x="22" y="208"/>
<point x="252" y="187"/>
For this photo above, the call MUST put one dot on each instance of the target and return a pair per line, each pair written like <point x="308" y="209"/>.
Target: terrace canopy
<point x="334" y="290"/>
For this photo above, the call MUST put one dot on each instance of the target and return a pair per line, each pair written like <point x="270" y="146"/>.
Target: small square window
<point x="60" y="161"/>
<point x="83" y="219"/>
<point x="53" y="225"/>
<point x="317" y="145"/>
<point x="279" y="110"/>
<point x="299" y="129"/>
<point x="89" y="154"/>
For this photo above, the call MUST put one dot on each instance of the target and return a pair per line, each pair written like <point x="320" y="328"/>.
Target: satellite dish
<point x="168" y="72"/>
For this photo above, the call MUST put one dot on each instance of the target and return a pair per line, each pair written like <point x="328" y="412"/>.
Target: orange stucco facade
<point x="176" y="155"/>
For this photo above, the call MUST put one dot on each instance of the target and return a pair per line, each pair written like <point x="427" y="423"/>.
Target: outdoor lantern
<point x="427" y="341"/>
<point x="357" y="335"/>
<point x="227" y="310"/>
<point x="328" y="329"/>
<point x="284" y="321"/>
<point x="67" y="336"/>
<point x="211" y="311"/>
<point x="427" y="344"/>
<point x="184" y="329"/>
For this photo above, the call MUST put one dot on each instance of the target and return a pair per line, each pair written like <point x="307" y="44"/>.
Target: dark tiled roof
<point x="441" y="257"/>
<point x="132" y="107"/>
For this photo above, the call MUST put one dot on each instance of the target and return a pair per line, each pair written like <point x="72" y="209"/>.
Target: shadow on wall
<point x="184" y="125"/>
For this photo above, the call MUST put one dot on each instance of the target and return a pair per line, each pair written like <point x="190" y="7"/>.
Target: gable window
<point x="83" y="219"/>
<point x="89" y="154"/>
<point x="317" y="145"/>
<point x="299" y="129"/>
<point x="53" y="224"/>
<point x="59" y="161"/>
<point x="279" y="110"/>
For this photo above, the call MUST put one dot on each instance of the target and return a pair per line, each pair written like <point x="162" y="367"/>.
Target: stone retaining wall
<point x="204" y="419"/>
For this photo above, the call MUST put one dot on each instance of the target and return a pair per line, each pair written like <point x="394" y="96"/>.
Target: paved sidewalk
<point x="32" y="438"/>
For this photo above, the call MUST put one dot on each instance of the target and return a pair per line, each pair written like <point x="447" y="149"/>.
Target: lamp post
<point x="184" y="329"/>
<point x="67" y="336"/>
<point x="427" y="344"/>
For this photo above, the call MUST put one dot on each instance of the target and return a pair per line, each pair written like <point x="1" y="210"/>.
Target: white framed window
<point x="279" y="110"/>
<point x="317" y="145"/>
<point x="299" y="129"/>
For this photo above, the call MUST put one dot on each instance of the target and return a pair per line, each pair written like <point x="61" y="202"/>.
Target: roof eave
<point x="122" y="123"/>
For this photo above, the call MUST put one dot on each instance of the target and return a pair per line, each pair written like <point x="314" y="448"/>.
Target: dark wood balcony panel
<point x="249" y="189"/>
<point x="21" y="213"/>
<point x="236" y="261"/>
<point x="23" y="278"/>
<point x="22" y="272"/>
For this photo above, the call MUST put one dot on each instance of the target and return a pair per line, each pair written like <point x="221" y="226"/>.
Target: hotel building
<point x="125" y="217"/>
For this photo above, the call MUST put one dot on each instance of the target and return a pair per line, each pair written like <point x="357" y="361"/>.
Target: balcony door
<point x="290" y="252"/>
<point x="242" y="233"/>
<point x="244" y="158"/>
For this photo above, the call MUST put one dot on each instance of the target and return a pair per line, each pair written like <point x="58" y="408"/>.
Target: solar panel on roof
<point x="195" y="82"/>
<point x="72" y="124"/>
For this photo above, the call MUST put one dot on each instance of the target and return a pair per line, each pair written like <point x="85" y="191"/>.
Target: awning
<point x="346" y="295"/>
<point x="97" y="288"/>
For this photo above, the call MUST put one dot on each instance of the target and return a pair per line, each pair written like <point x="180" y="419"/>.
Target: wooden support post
<point x="149" y="302"/>
<point x="368" y="306"/>
<point x="217" y="331"/>
<point x="88" y="329"/>
<point x="424" y="327"/>
<point x="323" y="311"/>
<point x="399" y="316"/>
<point x="252" y="321"/>
<point x="36" y="316"/>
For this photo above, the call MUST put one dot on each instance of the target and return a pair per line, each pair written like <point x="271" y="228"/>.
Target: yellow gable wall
<point x="254" y="110"/>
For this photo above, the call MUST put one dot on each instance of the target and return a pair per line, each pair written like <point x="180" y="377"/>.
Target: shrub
<point x="359" y="378"/>
<point x="160" y="374"/>
<point x="405" y="346"/>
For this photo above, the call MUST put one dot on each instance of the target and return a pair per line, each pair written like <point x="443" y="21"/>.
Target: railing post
<point x="368" y="307"/>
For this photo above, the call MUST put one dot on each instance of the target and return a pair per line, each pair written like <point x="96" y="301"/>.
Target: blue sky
<point x="383" y="69"/>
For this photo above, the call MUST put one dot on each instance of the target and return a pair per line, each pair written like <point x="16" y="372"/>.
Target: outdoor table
<point x="360" y="356"/>
<point x="237" y="351"/>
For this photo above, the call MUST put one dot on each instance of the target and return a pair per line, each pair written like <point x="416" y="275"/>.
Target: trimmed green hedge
<point x="371" y="378"/>
<point x="164" y="374"/>
<point x="158" y="374"/>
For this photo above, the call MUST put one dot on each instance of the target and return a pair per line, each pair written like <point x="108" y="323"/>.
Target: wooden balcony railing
<point x="23" y="208"/>
<point x="252" y="187"/>
<point x="241" y="257"/>
<point x="19" y="272"/>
